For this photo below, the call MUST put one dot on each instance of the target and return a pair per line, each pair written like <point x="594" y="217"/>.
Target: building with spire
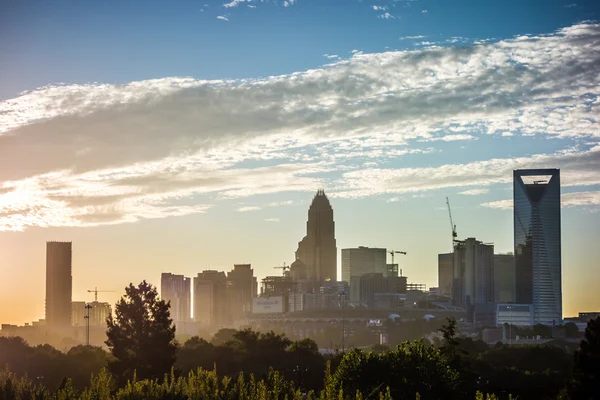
<point x="316" y="256"/>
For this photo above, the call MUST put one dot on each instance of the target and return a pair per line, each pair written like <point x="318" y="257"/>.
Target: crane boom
<point x="452" y="226"/>
<point x="96" y="291"/>
<point x="283" y="268"/>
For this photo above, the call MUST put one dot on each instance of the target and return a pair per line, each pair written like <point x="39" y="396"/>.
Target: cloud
<point x="222" y="17"/>
<point x="249" y="208"/>
<point x="331" y="56"/>
<point x="589" y="199"/>
<point x="89" y="154"/>
<point x="281" y="203"/>
<point x="272" y="219"/>
<point x="289" y="3"/>
<point x="424" y="11"/>
<point x="386" y="16"/>
<point x="380" y="8"/>
<point x="235" y="3"/>
<point x="412" y="37"/>
<point x="251" y="6"/>
<point x="475" y="192"/>
<point x="571" y="5"/>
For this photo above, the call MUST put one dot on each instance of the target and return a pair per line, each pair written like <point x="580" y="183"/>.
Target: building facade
<point x="59" y="283"/>
<point x="473" y="281"/>
<point x="242" y="287"/>
<point x="210" y="298"/>
<point x="177" y="290"/>
<point x="445" y="273"/>
<point x="364" y="288"/>
<point x="317" y="251"/>
<point x="504" y="278"/>
<point x="363" y="260"/>
<point x="537" y="242"/>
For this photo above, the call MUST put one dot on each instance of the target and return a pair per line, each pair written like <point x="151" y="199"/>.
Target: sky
<point x="179" y="136"/>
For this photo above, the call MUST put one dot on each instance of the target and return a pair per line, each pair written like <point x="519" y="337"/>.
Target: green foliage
<point x="410" y="368"/>
<point x="571" y="330"/>
<point x="587" y="364"/>
<point x="141" y="336"/>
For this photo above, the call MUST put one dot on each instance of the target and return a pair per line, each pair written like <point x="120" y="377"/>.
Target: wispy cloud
<point x="380" y="8"/>
<point x="235" y="3"/>
<point x="386" y="15"/>
<point x="571" y="5"/>
<point x="331" y="56"/>
<point x="475" y="192"/>
<point x="424" y="11"/>
<point x="412" y="37"/>
<point x="281" y="203"/>
<point x="248" y="208"/>
<point x="85" y="155"/>
<point x="589" y="199"/>
<point x="273" y="219"/>
<point x="289" y="3"/>
<point x="222" y="17"/>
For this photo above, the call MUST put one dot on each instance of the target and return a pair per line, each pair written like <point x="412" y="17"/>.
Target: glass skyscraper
<point x="538" y="242"/>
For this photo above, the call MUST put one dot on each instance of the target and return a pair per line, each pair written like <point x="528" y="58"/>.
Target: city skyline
<point x="201" y="147"/>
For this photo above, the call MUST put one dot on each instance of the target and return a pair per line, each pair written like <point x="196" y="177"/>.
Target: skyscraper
<point x="59" y="283"/>
<point x="473" y="273"/>
<point x="363" y="260"/>
<point x="210" y="300"/>
<point x="537" y="242"/>
<point x="177" y="290"/>
<point x="317" y="251"/>
<point x="241" y="288"/>
<point x="445" y="273"/>
<point x="504" y="278"/>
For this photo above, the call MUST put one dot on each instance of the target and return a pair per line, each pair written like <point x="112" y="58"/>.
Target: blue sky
<point x="184" y="135"/>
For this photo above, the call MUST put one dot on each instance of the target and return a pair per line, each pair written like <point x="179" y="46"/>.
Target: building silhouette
<point x="177" y="290"/>
<point x="241" y="288"/>
<point x="210" y="301"/>
<point x="59" y="283"/>
<point x="537" y="242"/>
<point x="365" y="289"/>
<point x="504" y="278"/>
<point x="445" y="273"/>
<point x="473" y="281"/>
<point x="98" y="312"/>
<point x="365" y="260"/>
<point x="317" y="251"/>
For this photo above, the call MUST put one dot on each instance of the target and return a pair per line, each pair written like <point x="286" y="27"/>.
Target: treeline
<point x="145" y="362"/>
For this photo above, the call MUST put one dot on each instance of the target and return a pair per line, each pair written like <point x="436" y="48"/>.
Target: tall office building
<point x="210" y="301"/>
<point x="445" y="273"/>
<point x="242" y="286"/>
<point x="317" y="251"/>
<point x="363" y="260"/>
<point x="538" y="242"/>
<point x="364" y="288"/>
<point x="59" y="283"/>
<point x="504" y="278"/>
<point x="473" y="281"/>
<point x="97" y="312"/>
<point x="177" y="290"/>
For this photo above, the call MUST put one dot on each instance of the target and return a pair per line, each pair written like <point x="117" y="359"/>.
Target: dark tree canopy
<point x="587" y="363"/>
<point x="141" y="336"/>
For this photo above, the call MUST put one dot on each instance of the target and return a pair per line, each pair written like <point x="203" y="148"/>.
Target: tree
<point x="141" y="336"/>
<point x="571" y="330"/>
<point x="587" y="363"/>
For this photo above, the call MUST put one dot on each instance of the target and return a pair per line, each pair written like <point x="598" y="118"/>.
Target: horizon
<point x="192" y="136"/>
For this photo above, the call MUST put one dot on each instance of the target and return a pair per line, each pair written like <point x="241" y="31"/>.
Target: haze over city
<point x="187" y="136"/>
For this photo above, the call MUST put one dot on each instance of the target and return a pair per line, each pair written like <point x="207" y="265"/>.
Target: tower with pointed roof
<point x="317" y="251"/>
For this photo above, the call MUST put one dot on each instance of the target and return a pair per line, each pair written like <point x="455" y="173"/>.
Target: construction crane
<point x="392" y="252"/>
<point x="452" y="226"/>
<point x="96" y="291"/>
<point x="283" y="268"/>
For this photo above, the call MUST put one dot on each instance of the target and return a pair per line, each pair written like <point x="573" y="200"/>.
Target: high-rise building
<point x="242" y="286"/>
<point x="59" y="283"/>
<point x="78" y="313"/>
<point x="537" y="242"/>
<point x="317" y="251"/>
<point x="363" y="288"/>
<point x="177" y="290"/>
<point x="504" y="278"/>
<point x="473" y="281"/>
<point x="445" y="273"/>
<point x="364" y="260"/>
<point x="210" y="299"/>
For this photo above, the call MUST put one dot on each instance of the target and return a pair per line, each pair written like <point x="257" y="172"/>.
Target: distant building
<point x="242" y="287"/>
<point x="177" y="290"/>
<point x="317" y="251"/>
<point x="587" y="316"/>
<point x="364" y="260"/>
<point x="445" y="273"/>
<point x="514" y="314"/>
<point x="59" y="283"/>
<point x="98" y="313"/>
<point x="504" y="278"/>
<point x="210" y="298"/>
<point x="364" y="288"/>
<point x="537" y="239"/>
<point x="473" y="281"/>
